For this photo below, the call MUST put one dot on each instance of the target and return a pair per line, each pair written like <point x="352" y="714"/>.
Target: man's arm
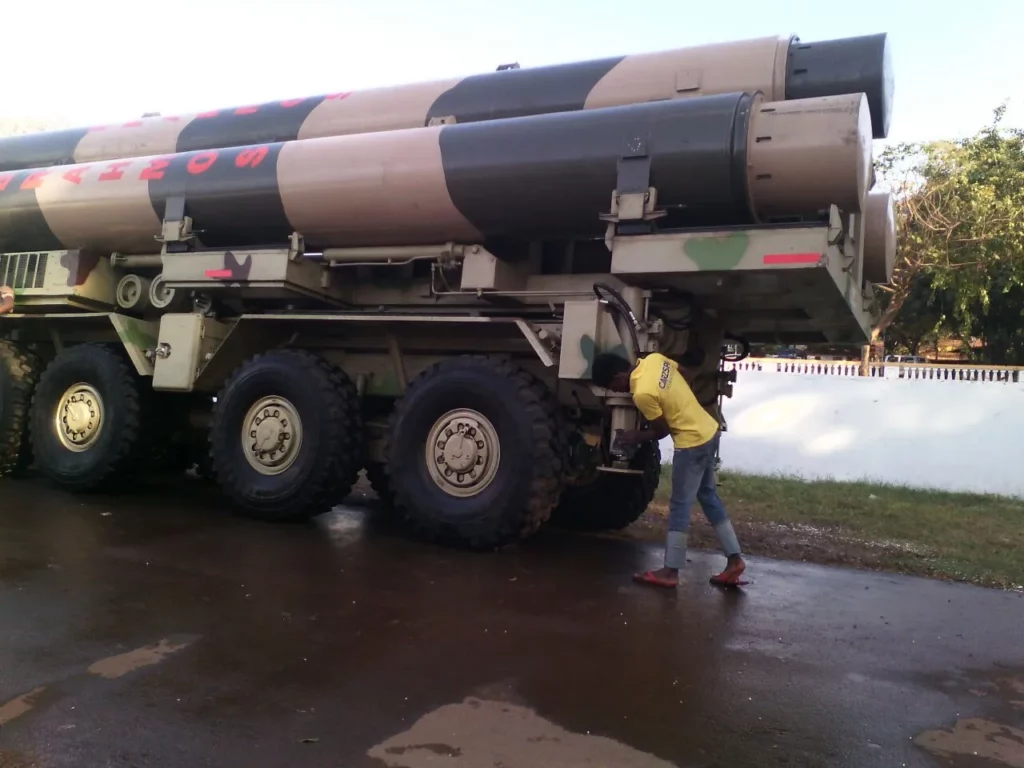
<point x="650" y="408"/>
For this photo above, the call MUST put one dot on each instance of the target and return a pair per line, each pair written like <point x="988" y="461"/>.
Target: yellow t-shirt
<point x="659" y="389"/>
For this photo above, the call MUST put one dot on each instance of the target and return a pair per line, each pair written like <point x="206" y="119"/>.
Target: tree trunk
<point x="866" y="350"/>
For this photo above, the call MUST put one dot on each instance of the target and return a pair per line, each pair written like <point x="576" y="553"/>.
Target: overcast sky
<point x="107" y="60"/>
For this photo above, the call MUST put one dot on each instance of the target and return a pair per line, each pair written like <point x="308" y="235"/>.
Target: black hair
<point x="606" y="367"/>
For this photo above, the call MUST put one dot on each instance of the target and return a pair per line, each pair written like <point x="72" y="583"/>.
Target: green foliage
<point x="960" y="229"/>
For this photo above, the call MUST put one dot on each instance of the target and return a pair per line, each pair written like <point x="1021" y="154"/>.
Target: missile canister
<point x="782" y="68"/>
<point x="714" y="160"/>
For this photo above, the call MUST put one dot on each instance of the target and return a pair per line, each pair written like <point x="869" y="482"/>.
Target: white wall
<point x="946" y="434"/>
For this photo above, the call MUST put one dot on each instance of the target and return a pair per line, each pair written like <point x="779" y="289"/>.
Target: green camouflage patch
<point x="718" y="253"/>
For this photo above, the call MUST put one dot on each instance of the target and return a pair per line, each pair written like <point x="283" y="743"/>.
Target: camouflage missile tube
<point x="731" y="159"/>
<point x="782" y="68"/>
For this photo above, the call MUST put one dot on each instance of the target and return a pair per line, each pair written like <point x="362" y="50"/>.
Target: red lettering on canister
<point x="251" y="157"/>
<point x="34" y="180"/>
<point x="155" y="170"/>
<point x="116" y="171"/>
<point x="201" y="163"/>
<point x="74" y="175"/>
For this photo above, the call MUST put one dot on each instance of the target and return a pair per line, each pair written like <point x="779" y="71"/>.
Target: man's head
<point x="611" y="372"/>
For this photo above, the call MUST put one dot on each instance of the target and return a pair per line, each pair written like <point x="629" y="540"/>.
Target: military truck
<point x="424" y="302"/>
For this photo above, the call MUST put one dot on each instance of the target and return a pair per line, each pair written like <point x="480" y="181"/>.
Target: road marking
<point x="17" y="707"/>
<point x="116" y="666"/>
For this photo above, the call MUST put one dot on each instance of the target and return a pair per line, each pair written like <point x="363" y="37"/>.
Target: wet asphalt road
<point x="158" y="630"/>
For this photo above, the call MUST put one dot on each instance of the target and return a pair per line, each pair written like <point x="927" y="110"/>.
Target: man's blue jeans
<point x="694" y="479"/>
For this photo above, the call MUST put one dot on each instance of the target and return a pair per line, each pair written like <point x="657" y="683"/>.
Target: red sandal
<point x="648" y="577"/>
<point x="730" y="577"/>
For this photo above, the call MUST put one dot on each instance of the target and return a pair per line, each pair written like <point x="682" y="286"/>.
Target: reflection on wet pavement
<point x="159" y="630"/>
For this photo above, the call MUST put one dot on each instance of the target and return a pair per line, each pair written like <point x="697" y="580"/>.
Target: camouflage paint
<point x="267" y="124"/>
<point x="783" y="68"/>
<point x="232" y="194"/>
<point x="555" y="173"/>
<point x="546" y="176"/>
<point x="21" y="220"/>
<point x="522" y="92"/>
<point x="33" y="150"/>
<point x="589" y="350"/>
<point x="132" y="332"/>
<point x="711" y="253"/>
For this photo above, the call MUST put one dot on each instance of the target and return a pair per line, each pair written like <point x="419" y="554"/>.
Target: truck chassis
<point x="456" y="377"/>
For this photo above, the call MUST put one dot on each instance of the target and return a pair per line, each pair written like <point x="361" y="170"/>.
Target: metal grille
<point x="23" y="270"/>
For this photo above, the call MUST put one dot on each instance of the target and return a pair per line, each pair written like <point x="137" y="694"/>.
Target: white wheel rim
<point x="463" y="452"/>
<point x="78" y="417"/>
<point x="271" y="435"/>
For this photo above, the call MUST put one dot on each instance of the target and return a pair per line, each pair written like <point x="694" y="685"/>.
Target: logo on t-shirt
<point x="666" y="373"/>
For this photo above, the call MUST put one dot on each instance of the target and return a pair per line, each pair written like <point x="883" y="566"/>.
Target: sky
<point x="103" y="61"/>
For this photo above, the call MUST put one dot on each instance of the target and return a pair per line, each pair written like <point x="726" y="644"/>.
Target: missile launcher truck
<point x="420" y="293"/>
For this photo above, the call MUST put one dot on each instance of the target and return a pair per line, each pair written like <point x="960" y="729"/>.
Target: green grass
<point x="969" y="537"/>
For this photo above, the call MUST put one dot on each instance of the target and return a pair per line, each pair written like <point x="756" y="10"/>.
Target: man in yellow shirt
<point x="665" y="399"/>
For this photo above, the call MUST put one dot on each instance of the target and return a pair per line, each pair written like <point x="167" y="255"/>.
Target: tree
<point x="960" y="221"/>
<point x="998" y="321"/>
<point x="922" y="318"/>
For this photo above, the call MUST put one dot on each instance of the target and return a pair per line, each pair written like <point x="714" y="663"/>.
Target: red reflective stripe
<point x="792" y="258"/>
<point x="215" y="273"/>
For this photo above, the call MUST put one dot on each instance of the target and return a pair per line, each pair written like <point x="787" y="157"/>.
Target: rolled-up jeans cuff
<point x="675" y="549"/>
<point x="727" y="538"/>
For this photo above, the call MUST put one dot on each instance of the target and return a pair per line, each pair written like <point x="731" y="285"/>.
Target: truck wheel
<point x="612" y="501"/>
<point x="286" y="439"/>
<point x="85" y="419"/>
<point x="19" y="371"/>
<point x="475" y="453"/>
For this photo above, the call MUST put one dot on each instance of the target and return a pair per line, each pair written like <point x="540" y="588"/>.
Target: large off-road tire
<point x="504" y="465"/>
<point x="19" y="371"/>
<point x="85" y="421"/>
<point x="612" y="501"/>
<point x="303" y="415"/>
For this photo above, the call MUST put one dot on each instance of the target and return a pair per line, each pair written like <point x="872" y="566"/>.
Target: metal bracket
<point x="296" y="247"/>
<point x="176" y="229"/>
<point x="634" y="200"/>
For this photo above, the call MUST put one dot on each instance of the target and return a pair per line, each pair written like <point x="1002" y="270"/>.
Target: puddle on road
<point x="116" y="666"/>
<point x="477" y="732"/>
<point x="976" y="737"/>
<point x="17" y="707"/>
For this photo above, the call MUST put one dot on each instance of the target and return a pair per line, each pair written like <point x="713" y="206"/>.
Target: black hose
<point x="616" y="301"/>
